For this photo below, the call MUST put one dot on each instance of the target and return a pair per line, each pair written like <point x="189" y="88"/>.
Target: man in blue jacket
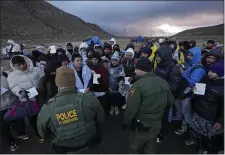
<point x="192" y="73"/>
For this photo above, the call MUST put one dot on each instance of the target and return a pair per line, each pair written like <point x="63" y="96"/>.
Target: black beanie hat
<point x="211" y="41"/>
<point x="144" y="65"/>
<point x="96" y="55"/>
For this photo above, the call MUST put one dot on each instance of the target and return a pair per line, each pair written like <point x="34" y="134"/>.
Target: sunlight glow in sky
<point x="170" y="28"/>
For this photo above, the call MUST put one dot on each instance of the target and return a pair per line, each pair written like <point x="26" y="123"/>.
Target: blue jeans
<point x="183" y="107"/>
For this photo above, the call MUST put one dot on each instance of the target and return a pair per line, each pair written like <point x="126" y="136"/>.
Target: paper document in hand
<point x="32" y="92"/>
<point x="199" y="88"/>
<point x="53" y="49"/>
<point x="95" y="78"/>
<point x="3" y="90"/>
<point x="126" y="80"/>
<point x="81" y="90"/>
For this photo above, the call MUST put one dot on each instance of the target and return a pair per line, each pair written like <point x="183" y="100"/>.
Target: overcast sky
<point x="148" y="18"/>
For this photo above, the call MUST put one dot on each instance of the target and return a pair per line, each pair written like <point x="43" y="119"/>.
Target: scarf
<point x="86" y="75"/>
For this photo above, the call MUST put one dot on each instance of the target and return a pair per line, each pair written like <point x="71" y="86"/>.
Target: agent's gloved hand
<point x="100" y="80"/>
<point x="120" y="78"/>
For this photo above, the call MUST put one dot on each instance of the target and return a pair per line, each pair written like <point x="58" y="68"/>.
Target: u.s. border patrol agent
<point x="148" y="98"/>
<point x="75" y="119"/>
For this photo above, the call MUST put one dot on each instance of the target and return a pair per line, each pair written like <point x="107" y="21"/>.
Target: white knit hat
<point x="130" y="50"/>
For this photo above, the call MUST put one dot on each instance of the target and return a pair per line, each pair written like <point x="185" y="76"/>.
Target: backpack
<point x="69" y="121"/>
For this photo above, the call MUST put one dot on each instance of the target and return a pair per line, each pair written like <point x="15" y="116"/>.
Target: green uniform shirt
<point x="147" y="100"/>
<point x="92" y="109"/>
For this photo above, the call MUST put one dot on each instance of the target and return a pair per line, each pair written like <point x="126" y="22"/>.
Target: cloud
<point x="145" y="17"/>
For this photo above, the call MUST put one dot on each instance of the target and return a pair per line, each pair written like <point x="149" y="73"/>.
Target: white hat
<point x="130" y="50"/>
<point x="115" y="56"/>
<point x="83" y="45"/>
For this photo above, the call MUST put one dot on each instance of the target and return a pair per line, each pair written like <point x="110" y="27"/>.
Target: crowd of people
<point x="80" y="87"/>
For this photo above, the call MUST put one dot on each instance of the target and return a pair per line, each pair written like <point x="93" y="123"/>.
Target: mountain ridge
<point x="38" y="21"/>
<point x="209" y="32"/>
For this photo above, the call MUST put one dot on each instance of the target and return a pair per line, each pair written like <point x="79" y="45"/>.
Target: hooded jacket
<point x="210" y="106"/>
<point x="167" y="69"/>
<point x="114" y="40"/>
<point x="7" y="98"/>
<point x="154" y="49"/>
<point x="69" y="52"/>
<point x="194" y="74"/>
<point x="83" y="54"/>
<point x="19" y="80"/>
<point x="217" y="52"/>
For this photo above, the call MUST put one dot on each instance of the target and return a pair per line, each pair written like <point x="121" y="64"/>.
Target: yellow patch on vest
<point x="67" y="117"/>
<point x="132" y="90"/>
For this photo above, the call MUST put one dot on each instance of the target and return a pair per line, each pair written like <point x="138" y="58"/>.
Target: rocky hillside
<point x="39" y="21"/>
<point x="211" y="32"/>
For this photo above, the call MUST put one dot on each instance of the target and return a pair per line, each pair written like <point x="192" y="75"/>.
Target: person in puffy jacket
<point x="168" y="71"/>
<point x="193" y="73"/>
<point x="24" y="77"/>
<point x="207" y="118"/>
